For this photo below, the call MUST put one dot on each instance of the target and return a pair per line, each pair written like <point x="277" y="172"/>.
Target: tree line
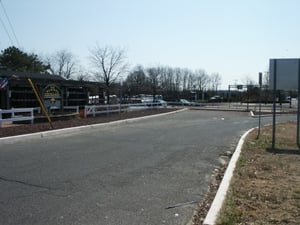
<point x="110" y="68"/>
<point x="172" y="83"/>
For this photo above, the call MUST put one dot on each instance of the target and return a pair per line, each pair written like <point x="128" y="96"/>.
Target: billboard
<point x="287" y="73"/>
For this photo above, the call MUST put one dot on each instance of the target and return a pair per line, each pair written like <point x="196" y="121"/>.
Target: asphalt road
<point x="122" y="174"/>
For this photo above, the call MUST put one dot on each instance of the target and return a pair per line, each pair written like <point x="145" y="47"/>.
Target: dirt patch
<point x="78" y="121"/>
<point x="265" y="186"/>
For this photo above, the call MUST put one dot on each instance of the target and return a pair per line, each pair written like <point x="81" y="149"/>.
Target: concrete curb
<point x="216" y="206"/>
<point x="71" y="130"/>
<point x="218" y="109"/>
<point x="263" y="115"/>
<point x="270" y="114"/>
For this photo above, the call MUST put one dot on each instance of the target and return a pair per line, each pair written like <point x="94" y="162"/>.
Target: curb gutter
<point x="217" y="203"/>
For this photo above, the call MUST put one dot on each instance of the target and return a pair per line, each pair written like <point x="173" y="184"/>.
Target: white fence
<point x="66" y="108"/>
<point x="106" y="109"/>
<point x="53" y="108"/>
<point x="27" y="114"/>
<point x="18" y="114"/>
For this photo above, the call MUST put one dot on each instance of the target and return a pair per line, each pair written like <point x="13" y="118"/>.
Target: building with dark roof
<point x="16" y="91"/>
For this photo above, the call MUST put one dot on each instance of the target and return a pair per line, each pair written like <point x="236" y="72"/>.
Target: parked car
<point x="161" y="102"/>
<point x="215" y="98"/>
<point x="185" y="102"/>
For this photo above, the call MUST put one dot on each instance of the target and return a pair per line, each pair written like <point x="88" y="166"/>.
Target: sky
<point x="235" y="38"/>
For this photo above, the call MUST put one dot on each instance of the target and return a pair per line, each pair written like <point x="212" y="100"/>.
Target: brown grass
<point x="265" y="188"/>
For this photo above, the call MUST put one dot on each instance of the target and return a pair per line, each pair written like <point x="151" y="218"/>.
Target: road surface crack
<point x="27" y="184"/>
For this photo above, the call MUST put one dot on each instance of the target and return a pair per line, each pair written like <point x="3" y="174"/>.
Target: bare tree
<point x="109" y="64"/>
<point x="82" y="75"/>
<point x="178" y="79"/>
<point x="136" y="80"/>
<point x="153" y="75"/>
<point x="62" y="63"/>
<point x="202" y="79"/>
<point x="215" y="80"/>
<point x="166" y="78"/>
<point x="191" y="81"/>
<point x="185" y="75"/>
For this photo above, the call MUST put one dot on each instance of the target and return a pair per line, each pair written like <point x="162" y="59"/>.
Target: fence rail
<point x="68" y="108"/>
<point x="16" y="114"/>
<point x="53" y="108"/>
<point x="27" y="114"/>
<point x="106" y="109"/>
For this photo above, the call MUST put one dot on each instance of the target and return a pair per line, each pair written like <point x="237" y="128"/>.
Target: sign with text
<point x="52" y="96"/>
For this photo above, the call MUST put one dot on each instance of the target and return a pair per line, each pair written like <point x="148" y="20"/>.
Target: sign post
<point x="274" y="102"/>
<point x="298" y="113"/>
<point x="285" y="75"/>
<point x="259" y="106"/>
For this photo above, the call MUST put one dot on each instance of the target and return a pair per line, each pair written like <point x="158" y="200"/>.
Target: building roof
<point x="25" y="75"/>
<point x="20" y="78"/>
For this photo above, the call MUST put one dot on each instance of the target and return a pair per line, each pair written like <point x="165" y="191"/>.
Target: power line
<point x="11" y="41"/>
<point x="10" y="24"/>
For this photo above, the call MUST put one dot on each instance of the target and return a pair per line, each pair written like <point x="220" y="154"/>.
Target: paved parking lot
<point x="121" y="174"/>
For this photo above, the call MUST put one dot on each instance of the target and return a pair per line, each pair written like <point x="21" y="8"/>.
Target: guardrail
<point x="102" y="109"/>
<point x="16" y="114"/>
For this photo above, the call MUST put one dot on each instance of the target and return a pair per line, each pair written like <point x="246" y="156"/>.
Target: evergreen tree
<point x="14" y="59"/>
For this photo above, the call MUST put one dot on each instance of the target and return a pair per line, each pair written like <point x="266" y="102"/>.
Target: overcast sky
<point x="235" y="38"/>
